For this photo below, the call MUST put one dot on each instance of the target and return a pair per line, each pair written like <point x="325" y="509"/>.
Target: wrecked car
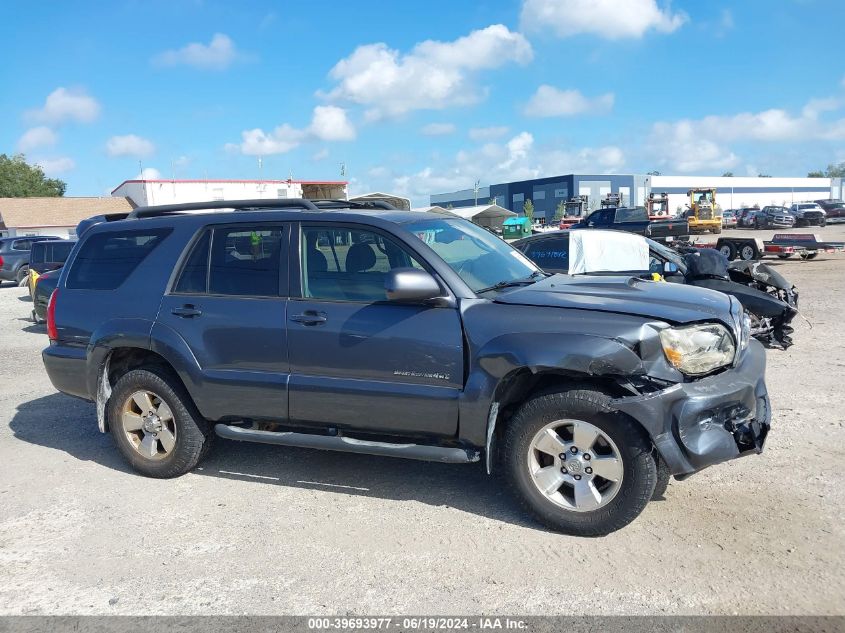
<point x="357" y="327"/>
<point x="770" y="301"/>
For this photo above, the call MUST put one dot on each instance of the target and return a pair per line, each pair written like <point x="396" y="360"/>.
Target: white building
<point x="144" y="193"/>
<point x="737" y="192"/>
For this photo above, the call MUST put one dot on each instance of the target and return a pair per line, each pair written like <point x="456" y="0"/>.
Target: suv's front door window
<point x="343" y="264"/>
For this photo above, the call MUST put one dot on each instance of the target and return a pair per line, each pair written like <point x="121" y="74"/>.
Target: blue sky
<point x="421" y="97"/>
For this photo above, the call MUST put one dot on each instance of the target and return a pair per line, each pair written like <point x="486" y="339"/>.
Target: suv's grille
<point x="812" y="215"/>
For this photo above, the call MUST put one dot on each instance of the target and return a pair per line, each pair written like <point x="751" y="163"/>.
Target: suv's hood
<point x="671" y="302"/>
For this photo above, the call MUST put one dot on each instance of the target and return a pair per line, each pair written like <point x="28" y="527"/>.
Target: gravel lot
<point x="264" y="530"/>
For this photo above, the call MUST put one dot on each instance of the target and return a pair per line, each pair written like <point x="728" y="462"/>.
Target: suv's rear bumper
<point x="67" y="369"/>
<point x="715" y="419"/>
<point x="8" y="275"/>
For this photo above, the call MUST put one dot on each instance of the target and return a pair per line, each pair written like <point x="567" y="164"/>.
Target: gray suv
<point x="14" y="256"/>
<point x="361" y="328"/>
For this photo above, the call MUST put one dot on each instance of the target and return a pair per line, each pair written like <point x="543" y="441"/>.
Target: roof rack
<point x="257" y="205"/>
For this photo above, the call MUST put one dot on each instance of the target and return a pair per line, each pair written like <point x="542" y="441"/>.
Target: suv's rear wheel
<point x="578" y="467"/>
<point x="155" y="425"/>
<point x="23" y="272"/>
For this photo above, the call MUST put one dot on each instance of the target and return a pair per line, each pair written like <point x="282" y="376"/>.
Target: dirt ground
<point x="265" y="530"/>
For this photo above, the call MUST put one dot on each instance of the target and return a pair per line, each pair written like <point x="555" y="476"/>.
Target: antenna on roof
<point x="342" y="170"/>
<point x="260" y="165"/>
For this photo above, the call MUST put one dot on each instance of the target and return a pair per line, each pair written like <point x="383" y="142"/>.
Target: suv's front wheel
<point x="155" y="425"/>
<point x="578" y="467"/>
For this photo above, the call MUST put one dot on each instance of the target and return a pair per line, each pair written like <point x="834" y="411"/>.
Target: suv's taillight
<point x="52" y="332"/>
<point x="1" y="261"/>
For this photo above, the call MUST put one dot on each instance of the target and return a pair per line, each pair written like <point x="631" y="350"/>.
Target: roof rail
<point x="256" y="205"/>
<point x="240" y="205"/>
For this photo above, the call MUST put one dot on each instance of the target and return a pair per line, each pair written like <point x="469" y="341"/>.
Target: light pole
<point x="475" y="189"/>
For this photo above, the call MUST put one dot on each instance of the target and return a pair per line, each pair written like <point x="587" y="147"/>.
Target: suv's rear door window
<point x="107" y="259"/>
<point x="245" y="260"/>
<point x="194" y="276"/>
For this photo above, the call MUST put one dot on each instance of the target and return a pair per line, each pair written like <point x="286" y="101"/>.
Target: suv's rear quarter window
<point x="107" y="259"/>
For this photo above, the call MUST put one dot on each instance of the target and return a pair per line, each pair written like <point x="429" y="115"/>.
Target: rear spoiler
<point x="98" y="219"/>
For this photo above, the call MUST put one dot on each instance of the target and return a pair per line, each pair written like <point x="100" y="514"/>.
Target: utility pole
<point x="475" y="189"/>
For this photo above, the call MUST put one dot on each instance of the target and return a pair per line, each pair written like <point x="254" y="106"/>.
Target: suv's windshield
<point x="480" y="258"/>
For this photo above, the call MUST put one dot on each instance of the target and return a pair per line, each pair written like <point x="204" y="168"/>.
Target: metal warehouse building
<point x="732" y="192"/>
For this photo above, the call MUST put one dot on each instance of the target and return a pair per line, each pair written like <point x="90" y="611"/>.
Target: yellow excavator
<point x="702" y="212"/>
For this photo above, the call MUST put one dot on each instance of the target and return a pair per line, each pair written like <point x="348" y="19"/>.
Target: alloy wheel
<point x="575" y="465"/>
<point x="149" y="425"/>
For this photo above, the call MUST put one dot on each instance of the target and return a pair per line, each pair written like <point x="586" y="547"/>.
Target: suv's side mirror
<point x="670" y="268"/>
<point x="410" y="284"/>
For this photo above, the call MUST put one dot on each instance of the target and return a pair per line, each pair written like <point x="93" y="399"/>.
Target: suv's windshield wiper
<point x="514" y="282"/>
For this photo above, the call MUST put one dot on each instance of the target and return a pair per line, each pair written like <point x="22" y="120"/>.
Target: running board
<point x="349" y="445"/>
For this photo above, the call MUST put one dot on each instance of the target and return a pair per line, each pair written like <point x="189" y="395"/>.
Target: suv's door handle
<point x="309" y="317"/>
<point x="187" y="311"/>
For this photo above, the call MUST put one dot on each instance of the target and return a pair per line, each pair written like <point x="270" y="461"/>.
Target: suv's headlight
<point x="698" y="349"/>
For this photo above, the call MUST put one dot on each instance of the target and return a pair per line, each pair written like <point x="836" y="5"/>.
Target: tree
<point x="560" y="211"/>
<point x="528" y="209"/>
<point x="763" y="176"/>
<point x="728" y="174"/>
<point x="18" y="179"/>
<point x="832" y="171"/>
<point x="653" y="173"/>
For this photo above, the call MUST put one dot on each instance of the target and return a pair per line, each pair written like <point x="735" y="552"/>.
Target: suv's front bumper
<point x="697" y="424"/>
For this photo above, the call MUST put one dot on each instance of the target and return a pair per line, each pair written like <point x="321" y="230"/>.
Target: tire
<point x="23" y="273"/>
<point x="717" y="231"/>
<point x="182" y="439"/>
<point x="823" y="222"/>
<point x="757" y="226"/>
<point x="806" y="256"/>
<point x="616" y="435"/>
<point x="728" y="250"/>
<point x="663" y="478"/>
<point x="747" y="253"/>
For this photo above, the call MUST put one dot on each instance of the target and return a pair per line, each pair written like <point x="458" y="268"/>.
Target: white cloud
<point x="322" y="154"/>
<point x="438" y="129"/>
<point x="609" y="19"/>
<point x="129" y="145"/>
<point x="218" y="54"/>
<point x="516" y="159"/>
<point x="689" y="145"/>
<point x="33" y="138"/>
<point x="328" y="123"/>
<point x="434" y="75"/>
<point x="53" y="166"/>
<point x="148" y="173"/>
<point x="681" y="147"/>
<point x="488" y="133"/>
<point x="64" y="105"/>
<point x="549" y="101"/>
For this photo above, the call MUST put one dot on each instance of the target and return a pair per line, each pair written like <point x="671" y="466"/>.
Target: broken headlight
<point x="698" y="349"/>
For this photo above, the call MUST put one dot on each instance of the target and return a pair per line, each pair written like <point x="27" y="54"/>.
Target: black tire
<point x="192" y="432"/>
<point x="823" y="222"/>
<point x="728" y="250"/>
<point x="23" y="271"/>
<point x="639" y="468"/>
<point x="757" y="226"/>
<point x="717" y="231"/>
<point x="663" y="478"/>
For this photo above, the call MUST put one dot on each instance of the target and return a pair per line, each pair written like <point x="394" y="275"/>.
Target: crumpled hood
<point x="675" y="303"/>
